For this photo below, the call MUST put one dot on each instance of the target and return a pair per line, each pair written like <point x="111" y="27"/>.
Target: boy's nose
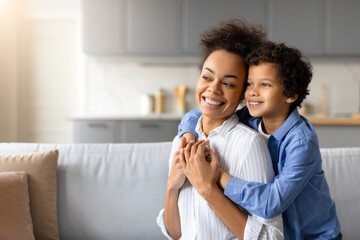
<point x="253" y="91"/>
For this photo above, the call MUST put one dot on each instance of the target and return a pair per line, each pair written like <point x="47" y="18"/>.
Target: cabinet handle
<point x="149" y="125"/>
<point x="97" y="125"/>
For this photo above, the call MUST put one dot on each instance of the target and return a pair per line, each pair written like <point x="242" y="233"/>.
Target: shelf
<point x="334" y="121"/>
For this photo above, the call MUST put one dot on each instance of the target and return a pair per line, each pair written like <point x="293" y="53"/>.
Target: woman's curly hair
<point x="294" y="69"/>
<point x="234" y="36"/>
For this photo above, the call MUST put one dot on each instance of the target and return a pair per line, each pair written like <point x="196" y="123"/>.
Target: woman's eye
<point x="229" y="84"/>
<point x="206" y="78"/>
<point x="266" y="85"/>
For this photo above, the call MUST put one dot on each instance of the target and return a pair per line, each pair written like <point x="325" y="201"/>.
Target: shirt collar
<point x="221" y="130"/>
<point x="293" y="118"/>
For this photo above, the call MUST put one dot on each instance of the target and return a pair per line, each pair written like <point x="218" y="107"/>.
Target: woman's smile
<point x="220" y="85"/>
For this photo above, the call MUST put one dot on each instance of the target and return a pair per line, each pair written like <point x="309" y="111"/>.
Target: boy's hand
<point x="223" y="178"/>
<point x="188" y="137"/>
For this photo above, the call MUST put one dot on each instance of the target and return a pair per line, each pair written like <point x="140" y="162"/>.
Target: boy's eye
<point x="266" y="85"/>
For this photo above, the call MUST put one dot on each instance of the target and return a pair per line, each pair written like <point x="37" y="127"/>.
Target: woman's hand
<point x="176" y="177"/>
<point x="201" y="171"/>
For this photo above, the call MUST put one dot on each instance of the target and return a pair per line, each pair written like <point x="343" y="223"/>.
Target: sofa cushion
<point x="107" y="191"/>
<point x="15" y="218"/>
<point x="41" y="169"/>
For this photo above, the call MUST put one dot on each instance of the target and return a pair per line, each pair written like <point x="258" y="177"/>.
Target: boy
<point x="278" y="82"/>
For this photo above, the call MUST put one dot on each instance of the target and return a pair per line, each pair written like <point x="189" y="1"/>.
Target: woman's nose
<point x="215" y="87"/>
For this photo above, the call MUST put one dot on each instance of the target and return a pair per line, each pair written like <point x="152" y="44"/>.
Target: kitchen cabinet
<point x="103" y="27"/>
<point x="172" y="28"/>
<point x="338" y="136"/>
<point x="125" y="130"/>
<point x="131" y="27"/>
<point x="158" y="28"/>
<point x="148" y="131"/>
<point x="337" y="132"/>
<point x="152" y="27"/>
<point x="342" y="31"/>
<point x="297" y="23"/>
<point x="198" y="16"/>
<point x="95" y="131"/>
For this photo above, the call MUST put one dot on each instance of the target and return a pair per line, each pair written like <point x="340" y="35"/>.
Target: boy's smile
<point x="220" y="86"/>
<point x="264" y="94"/>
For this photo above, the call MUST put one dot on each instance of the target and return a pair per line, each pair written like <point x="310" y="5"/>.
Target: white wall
<point x="9" y="28"/>
<point x="40" y="69"/>
<point x="115" y="88"/>
<point x="48" y="80"/>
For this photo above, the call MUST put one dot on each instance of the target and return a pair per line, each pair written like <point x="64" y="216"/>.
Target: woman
<point x="195" y="207"/>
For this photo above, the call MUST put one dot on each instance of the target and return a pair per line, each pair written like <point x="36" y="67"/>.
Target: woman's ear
<point x="292" y="99"/>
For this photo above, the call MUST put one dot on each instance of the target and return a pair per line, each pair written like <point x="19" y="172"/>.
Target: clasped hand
<point x="197" y="163"/>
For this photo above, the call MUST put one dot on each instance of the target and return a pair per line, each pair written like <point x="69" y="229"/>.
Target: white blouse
<point x="242" y="153"/>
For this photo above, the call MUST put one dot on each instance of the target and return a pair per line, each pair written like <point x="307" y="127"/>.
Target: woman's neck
<point x="209" y="124"/>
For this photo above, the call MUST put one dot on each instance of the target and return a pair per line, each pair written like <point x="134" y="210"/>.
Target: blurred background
<point x="91" y="70"/>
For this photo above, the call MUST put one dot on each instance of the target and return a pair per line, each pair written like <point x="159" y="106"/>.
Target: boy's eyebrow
<point x="226" y="76"/>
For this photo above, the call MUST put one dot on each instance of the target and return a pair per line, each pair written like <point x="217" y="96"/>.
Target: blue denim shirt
<point x="299" y="191"/>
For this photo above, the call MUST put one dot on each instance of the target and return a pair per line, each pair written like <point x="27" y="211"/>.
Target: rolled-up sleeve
<point x="161" y="224"/>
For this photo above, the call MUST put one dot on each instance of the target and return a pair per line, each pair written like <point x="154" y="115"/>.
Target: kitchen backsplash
<point x="115" y="88"/>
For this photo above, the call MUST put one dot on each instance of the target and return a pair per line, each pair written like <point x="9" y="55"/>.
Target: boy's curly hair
<point x="234" y="36"/>
<point x="294" y="69"/>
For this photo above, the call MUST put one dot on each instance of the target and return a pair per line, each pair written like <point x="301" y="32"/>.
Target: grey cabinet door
<point x="199" y="15"/>
<point x="103" y="26"/>
<point x="342" y="27"/>
<point x="152" y="27"/>
<point x="297" y="23"/>
<point x="92" y="131"/>
<point x="148" y="131"/>
<point x="338" y="136"/>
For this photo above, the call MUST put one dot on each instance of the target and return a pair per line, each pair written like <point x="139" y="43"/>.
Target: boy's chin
<point x="254" y="114"/>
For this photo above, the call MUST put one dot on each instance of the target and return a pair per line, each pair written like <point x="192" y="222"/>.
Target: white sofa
<point x="115" y="191"/>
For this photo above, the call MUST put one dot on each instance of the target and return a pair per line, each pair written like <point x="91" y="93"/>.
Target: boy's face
<point x="264" y="94"/>
<point x="220" y="85"/>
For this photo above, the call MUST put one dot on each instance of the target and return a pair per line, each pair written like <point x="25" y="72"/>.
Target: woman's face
<point x="220" y="86"/>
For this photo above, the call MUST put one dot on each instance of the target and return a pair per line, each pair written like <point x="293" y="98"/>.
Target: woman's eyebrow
<point x="230" y="76"/>
<point x="225" y="76"/>
<point x="210" y="70"/>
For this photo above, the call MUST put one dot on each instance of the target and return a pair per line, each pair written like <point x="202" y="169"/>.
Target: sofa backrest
<point x="342" y="172"/>
<point x="115" y="191"/>
<point x="107" y="191"/>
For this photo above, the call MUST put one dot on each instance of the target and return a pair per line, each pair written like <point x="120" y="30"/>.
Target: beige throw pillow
<point x="41" y="169"/>
<point x="15" y="218"/>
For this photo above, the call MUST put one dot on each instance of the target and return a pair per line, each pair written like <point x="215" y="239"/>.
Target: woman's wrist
<point x="171" y="187"/>
<point x="210" y="192"/>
